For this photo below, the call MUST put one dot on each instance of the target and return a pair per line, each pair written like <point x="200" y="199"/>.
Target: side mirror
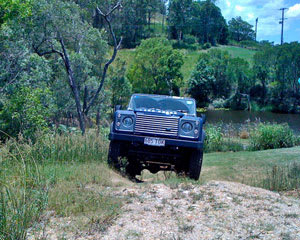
<point x="203" y="116"/>
<point x="118" y="107"/>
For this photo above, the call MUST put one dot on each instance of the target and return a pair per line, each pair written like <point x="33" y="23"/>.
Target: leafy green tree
<point x="208" y="24"/>
<point x="179" y="18"/>
<point x="25" y="112"/>
<point x="277" y="71"/>
<point x="219" y="76"/>
<point x="240" y="30"/>
<point x="218" y="60"/>
<point x="202" y="19"/>
<point x="240" y="74"/>
<point x="264" y="72"/>
<point x="242" y="80"/>
<point x="156" y="68"/>
<point x="12" y="8"/>
<point x="56" y="29"/>
<point x="201" y="82"/>
<point x="286" y="89"/>
<point x="120" y="86"/>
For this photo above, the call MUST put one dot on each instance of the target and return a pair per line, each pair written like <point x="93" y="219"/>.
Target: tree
<point x="156" y="68"/>
<point x="264" y="72"/>
<point x="202" y="19"/>
<point x="120" y="86"/>
<point x="200" y="82"/>
<point x="277" y="69"/>
<point x="218" y="60"/>
<point x="26" y="111"/>
<point x="208" y="24"/>
<point x="12" y="8"/>
<point x="240" y="30"/>
<point x="179" y="18"/>
<point x="56" y="28"/>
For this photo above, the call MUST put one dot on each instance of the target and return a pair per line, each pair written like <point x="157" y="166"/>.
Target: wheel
<point x="113" y="159"/>
<point x="133" y="169"/>
<point x="195" y="164"/>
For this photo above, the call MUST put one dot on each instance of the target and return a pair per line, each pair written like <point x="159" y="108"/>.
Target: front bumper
<point x="169" y="142"/>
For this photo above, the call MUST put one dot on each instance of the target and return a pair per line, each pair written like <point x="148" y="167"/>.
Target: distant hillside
<point x="191" y="57"/>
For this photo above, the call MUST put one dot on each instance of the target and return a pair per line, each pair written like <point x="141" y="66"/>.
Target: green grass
<point x="244" y="53"/>
<point x="68" y="175"/>
<point x="243" y="166"/>
<point x="63" y="173"/>
<point x="251" y="168"/>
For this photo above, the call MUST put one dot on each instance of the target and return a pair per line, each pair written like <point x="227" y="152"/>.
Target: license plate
<point x="154" y="141"/>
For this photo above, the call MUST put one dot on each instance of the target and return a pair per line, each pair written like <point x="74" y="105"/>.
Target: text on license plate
<point x="154" y="141"/>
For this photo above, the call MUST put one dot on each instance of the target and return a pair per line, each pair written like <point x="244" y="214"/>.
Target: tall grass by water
<point x="252" y="136"/>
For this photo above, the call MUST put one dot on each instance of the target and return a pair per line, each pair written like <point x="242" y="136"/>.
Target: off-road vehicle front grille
<point x="157" y="125"/>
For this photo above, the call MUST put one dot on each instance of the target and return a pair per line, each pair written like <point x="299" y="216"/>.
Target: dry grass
<point x="244" y="134"/>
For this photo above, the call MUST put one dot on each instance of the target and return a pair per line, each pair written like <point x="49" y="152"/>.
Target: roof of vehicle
<point x="157" y="95"/>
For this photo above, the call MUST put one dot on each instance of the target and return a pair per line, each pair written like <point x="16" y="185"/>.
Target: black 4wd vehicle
<point x="158" y="133"/>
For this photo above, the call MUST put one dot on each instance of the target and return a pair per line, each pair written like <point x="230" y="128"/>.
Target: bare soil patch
<point x="216" y="210"/>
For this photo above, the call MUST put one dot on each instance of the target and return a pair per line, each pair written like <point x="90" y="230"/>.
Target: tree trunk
<point x="163" y="24"/>
<point x="98" y="120"/>
<point x="73" y="87"/>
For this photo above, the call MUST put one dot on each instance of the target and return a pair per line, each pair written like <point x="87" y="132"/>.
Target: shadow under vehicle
<point x="158" y="133"/>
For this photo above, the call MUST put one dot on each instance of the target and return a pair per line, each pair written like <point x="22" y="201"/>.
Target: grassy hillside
<point x="191" y="57"/>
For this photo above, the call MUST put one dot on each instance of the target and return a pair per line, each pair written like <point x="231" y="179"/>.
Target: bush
<point x="189" y="39"/>
<point x="218" y="103"/>
<point x="217" y="142"/>
<point x="26" y="112"/>
<point x="183" y="45"/>
<point x="206" y="46"/>
<point x="271" y="136"/>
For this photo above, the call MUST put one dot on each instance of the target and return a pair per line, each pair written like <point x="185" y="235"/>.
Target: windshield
<point x="162" y="103"/>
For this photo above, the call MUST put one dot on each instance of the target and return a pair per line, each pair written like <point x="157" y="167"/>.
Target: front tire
<point x="133" y="168"/>
<point x="113" y="159"/>
<point x="195" y="164"/>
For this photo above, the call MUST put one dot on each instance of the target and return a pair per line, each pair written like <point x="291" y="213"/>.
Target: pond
<point x="237" y="118"/>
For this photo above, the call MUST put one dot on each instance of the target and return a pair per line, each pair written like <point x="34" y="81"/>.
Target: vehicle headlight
<point x="187" y="127"/>
<point x="124" y="121"/>
<point x="127" y="122"/>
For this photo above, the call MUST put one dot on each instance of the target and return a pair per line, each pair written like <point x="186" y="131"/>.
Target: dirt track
<point x="217" y="210"/>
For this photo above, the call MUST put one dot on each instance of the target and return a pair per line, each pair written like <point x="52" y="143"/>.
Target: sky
<point x="268" y="14"/>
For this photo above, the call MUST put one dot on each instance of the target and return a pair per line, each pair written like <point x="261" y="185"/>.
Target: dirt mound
<point x="217" y="210"/>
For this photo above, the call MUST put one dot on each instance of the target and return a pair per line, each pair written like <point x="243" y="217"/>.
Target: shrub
<point x="214" y="138"/>
<point x="206" y="46"/>
<point x="183" y="45"/>
<point x="26" y="112"/>
<point x="271" y="136"/>
<point x="189" y="39"/>
<point x="244" y="134"/>
<point x="217" y="142"/>
<point x="218" y="103"/>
